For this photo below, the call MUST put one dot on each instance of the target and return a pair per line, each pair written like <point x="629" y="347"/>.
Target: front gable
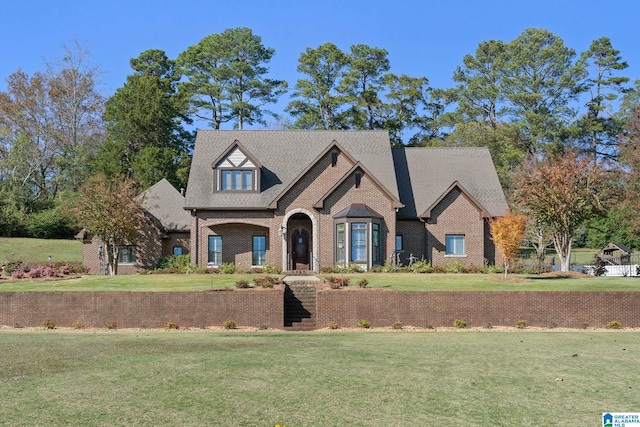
<point x="328" y="166"/>
<point x="356" y="173"/>
<point x="236" y="169"/>
<point x="456" y="186"/>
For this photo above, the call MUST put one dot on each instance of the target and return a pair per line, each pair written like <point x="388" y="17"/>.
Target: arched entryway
<point x="300" y="248"/>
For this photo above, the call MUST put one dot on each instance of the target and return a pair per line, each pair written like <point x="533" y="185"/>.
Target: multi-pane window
<point x="358" y="242"/>
<point x="375" y="242"/>
<point x="237" y="180"/>
<point x="215" y="250"/>
<point x="340" y="243"/>
<point x="454" y="244"/>
<point x="127" y="255"/>
<point x="259" y="250"/>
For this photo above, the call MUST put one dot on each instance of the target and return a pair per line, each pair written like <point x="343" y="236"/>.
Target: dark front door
<point x="300" y="249"/>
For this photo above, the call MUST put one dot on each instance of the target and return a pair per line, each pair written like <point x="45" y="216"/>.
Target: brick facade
<point x="456" y="215"/>
<point x="324" y="179"/>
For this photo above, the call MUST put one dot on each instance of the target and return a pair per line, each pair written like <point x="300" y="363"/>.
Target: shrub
<point x="49" y="324"/>
<point x="333" y="325"/>
<point x="615" y="324"/>
<point x="271" y="269"/>
<point x="111" y="324"/>
<point x="353" y="268"/>
<point x="459" y="323"/>
<point x="421" y="266"/>
<point x="17" y="274"/>
<point x="242" y="284"/>
<point x="397" y="325"/>
<point x="362" y="323"/>
<point x="11" y="266"/>
<point x="455" y="267"/>
<point x="171" y="325"/>
<point x="229" y="324"/>
<point x="227" y="268"/>
<point x="178" y="262"/>
<point x="363" y="283"/>
<point x="521" y="324"/>
<point x="78" y="324"/>
<point x="336" y="282"/>
<point x="267" y="281"/>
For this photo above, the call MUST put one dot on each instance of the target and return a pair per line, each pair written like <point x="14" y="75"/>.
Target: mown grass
<point x="39" y="250"/>
<point x="313" y="379"/>
<point x="396" y="281"/>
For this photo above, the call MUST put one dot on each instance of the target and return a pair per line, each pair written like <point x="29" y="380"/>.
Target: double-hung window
<point x="454" y="244"/>
<point x="358" y="242"/>
<point x="215" y="250"/>
<point x="259" y="250"/>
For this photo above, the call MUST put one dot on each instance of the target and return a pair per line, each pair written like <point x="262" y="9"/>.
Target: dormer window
<point x="236" y="170"/>
<point x="237" y="180"/>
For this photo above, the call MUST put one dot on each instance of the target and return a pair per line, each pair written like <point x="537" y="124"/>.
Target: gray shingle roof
<point x="424" y="174"/>
<point x="166" y="204"/>
<point x="284" y="155"/>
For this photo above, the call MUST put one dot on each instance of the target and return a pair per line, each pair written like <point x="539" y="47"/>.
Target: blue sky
<point x="423" y="38"/>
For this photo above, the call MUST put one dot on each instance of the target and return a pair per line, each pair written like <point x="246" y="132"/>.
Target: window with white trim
<point x="454" y="244"/>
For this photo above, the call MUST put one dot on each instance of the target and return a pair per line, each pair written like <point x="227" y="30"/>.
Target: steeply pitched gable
<point x="284" y="157"/>
<point x="425" y="175"/>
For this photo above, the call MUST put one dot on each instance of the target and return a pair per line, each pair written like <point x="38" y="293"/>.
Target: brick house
<point x="302" y="200"/>
<point x="167" y="233"/>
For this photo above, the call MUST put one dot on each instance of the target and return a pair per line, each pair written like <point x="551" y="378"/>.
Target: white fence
<point x="616" y="270"/>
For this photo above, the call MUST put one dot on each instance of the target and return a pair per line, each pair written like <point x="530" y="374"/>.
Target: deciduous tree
<point x="507" y="233"/>
<point x="108" y="210"/>
<point x="561" y="194"/>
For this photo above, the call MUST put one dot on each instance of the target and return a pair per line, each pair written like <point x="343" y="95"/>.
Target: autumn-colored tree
<point x="508" y="232"/>
<point x="561" y="194"/>
<point x="108" y="210"/>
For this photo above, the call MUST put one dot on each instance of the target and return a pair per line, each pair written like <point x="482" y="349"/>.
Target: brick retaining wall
<point x="563" y="309"/>
<point x="346" y="307"/>
<point x="144" y="309"/>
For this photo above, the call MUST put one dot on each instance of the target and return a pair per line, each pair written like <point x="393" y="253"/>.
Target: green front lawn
<point x="396" y="281"/>
<point x="266" y="378"/>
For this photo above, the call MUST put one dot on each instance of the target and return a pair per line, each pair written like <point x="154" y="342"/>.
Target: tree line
<point x="531" y="101"/>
